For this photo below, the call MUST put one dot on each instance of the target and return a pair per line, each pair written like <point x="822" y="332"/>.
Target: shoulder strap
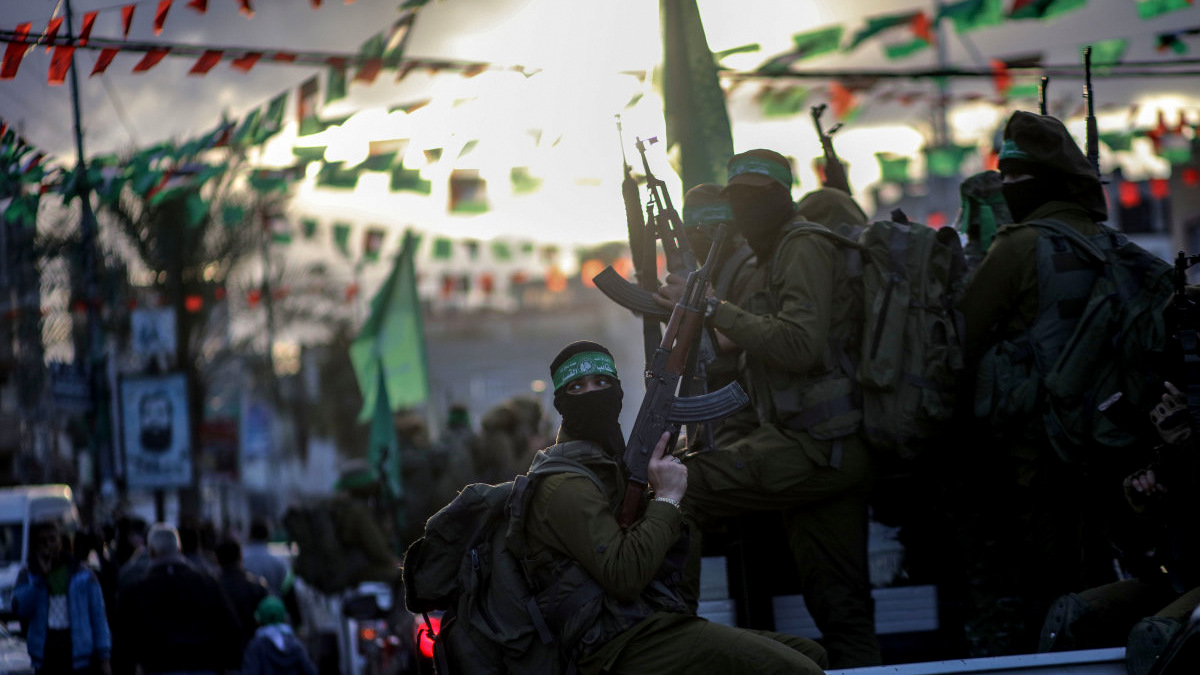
<point x="1081" y="243"/>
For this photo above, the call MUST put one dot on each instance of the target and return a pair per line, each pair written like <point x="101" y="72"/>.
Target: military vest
<point x="826" y="401"/>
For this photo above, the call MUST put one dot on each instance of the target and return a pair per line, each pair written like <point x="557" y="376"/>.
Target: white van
<point x="20" y="506"/>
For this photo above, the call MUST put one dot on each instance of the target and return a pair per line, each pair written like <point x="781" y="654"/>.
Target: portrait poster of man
<point x="154" y="425"/>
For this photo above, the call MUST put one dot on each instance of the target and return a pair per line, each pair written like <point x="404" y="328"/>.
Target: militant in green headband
<point x="581" y="364"/>
<point x="1010" y="150"/>
<point x="751" y="164"/>
<point x="707" y="214"/>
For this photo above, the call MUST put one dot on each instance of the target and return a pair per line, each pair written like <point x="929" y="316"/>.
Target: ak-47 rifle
<point x="642" y="249"/>
<point x="835" y="171"/>
<point x="1092" y="139"/>
<point x="1043" y="92"/>
<point x="662" y="409"/>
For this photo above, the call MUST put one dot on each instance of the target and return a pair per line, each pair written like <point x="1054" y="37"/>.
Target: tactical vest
<point x="578" y="610"/>
<point x="825" y="402"/>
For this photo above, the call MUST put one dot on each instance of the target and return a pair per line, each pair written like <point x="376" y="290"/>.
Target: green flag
<point x="808" y="45"/>
<point x="892" y="168"/>
<point x="383" y="450"/>
<point x="1107" y="52"/>
<point x="693" y="102"/>
<point x="945" y="160"/>
<point x="389" y="353"/>
<point x="969" y="15"/>
<point x="335" y="88"/>
<point x="272" y="120"/>
<point x="784" y="101"/>
<point x="1149" y="9"/>
<point x="878" y="24"/>
<point x="1043" y="9"/>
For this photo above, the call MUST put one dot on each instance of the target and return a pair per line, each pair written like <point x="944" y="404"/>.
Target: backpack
<point x="469" y="566"/>
<point x="904" y="376"/>
<point x="1099" y="387"/>
<point x="322" y="561"/>
<point x="912" y="343"/>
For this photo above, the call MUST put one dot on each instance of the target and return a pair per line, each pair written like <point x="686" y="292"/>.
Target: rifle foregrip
<point x="631" y="504"/>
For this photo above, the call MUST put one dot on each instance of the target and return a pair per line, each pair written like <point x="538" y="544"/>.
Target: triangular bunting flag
<point x="207" y="60"/>
<point x="160" y="15"/>
<point x="151" y="59"/>
<point x="15" y="51"/>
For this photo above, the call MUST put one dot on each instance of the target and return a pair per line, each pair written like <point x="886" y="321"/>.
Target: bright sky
<point x="581" y="49"/>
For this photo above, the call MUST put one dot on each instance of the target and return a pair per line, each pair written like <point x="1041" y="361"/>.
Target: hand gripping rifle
<point x="663" y="410"/>
<point x="835" y="171"/>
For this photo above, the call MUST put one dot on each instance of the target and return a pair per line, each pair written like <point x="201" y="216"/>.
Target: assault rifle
<point x="643" y="250"/>
<point x="662" y="409"/>
<point x="1092" y="139"/>
<point x="1043" y="92"/>
<point x="835" y="171"/>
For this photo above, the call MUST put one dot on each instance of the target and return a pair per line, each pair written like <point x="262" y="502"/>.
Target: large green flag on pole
<point x="694" y="105"/>
<point x="389" y="353"/>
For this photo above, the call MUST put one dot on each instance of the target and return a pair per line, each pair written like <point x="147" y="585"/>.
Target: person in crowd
<point x="275" y="649"/>
<point x="243" y="588"/>
<point x="176" y="618"/>
<point x="806" y="454"/>
<point x="576" y="547"/>
<point x="60" y="600"/>
<point x="257" y="559"/>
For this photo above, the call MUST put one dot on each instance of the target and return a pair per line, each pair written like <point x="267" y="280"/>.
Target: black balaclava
<point x="593" y="416"/>
<point x="759" y="212"/>
<point x="1023" y="196"/>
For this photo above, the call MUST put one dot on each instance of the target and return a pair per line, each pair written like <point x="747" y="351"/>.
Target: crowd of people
<point x="156" y="599"/>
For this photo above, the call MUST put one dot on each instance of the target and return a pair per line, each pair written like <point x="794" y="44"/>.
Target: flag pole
<point x="94" y="357"/>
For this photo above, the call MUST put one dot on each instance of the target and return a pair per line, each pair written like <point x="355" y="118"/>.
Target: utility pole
<point x="942" y="189"/>
<point x="93" y="357"/>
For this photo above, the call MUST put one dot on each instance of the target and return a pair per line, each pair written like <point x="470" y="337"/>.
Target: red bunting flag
<point x="283" y="57"/>
<point x="841" y="99"/>
<point x="246" y="9"/>
<point x="106" y="57"/>
<point x="245" y="62"/>
<point x="60" y="63"/>
<point x="52" y="32"/>
<point x="160" y="15"/>
<point x="14" y="52"/>
<point x="1001" y="78"/>
<point x="151" y="59"/>
<point x="127" y="18"/>
<point x="306" y="99"/>
<point x="206" y="62"/>
<point x="85" y="32"/>
<point x="199" y="6"/>
<point x="1129" y="194"/>
<point x="1159" y="188"/>
<point x="316" y="4"/>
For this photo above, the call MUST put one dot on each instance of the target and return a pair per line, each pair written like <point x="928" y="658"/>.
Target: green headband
<point x="759" y="165"/>
<point x="708" y="214"/>
<point x="584" y="363"/>
<point x="1010" y="150"/>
